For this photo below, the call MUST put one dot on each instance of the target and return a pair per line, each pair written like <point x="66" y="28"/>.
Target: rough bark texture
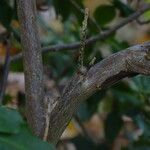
<point x="109" y="71"/>
<point x="33" y="68"/>
<point x="102" y="75"/>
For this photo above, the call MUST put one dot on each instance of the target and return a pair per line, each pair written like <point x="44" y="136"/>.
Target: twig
<point x="74" y="3"/>
<point x="101" y="36"/>
<point x="33" y="67"/>
<point x="83" y="39"/>
<point x="47" y="121"/>
<point x="5" y="71"/>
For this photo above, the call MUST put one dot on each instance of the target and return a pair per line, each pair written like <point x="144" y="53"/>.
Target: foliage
<point x="130" y="98"/>
<point x="15" y="134"/>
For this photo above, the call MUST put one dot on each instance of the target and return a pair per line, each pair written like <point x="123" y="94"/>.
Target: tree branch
<point x="102" y="75"/>
<point x="33" y="68"/>
<point x="101" y="36"/>
<point x="123" y="64"/>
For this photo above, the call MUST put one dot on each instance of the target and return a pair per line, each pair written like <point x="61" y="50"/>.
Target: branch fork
<point x="112" y="69"/>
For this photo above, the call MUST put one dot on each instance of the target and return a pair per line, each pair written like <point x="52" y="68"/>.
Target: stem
<point x="33" y="67"/>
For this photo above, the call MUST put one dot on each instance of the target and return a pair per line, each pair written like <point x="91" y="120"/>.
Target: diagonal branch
<point x="100" y="36"/>
<point x="33" y="68"/>
<point x="127" y="63"/>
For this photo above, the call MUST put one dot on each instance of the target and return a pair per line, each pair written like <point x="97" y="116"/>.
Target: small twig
<point x="101" y="36"/>
<point x="74" y="3"/>
<point x="5" y="72"/>
<point x="83" y="39"/>
<point x="47" y="120"/>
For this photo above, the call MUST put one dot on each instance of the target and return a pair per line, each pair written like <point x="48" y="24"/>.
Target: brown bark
<point x="123" y="64"/>
<point x="102" y="75"/>
<point x="33" y="68"/>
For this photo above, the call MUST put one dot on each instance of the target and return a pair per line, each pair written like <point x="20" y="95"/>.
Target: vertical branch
<point x="83" y="38"/>
<point x="33" y="68"/>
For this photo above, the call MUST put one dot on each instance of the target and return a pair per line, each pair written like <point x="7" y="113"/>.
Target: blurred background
<point x="117" y="118"/>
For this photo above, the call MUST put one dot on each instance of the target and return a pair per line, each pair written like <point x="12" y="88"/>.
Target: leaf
<point x="88" y="108"/>
<point x="115" y="44"/>
<point x="126" y="97"/>
<point x="142" y="84"/>
<point x="17" y="66"/>
<point x="62" y="8"/>
<point x="144" y="124"/>
<point x="6" y="13"/>
<point x="24" y="140"/>
<point x="10" y="120"/>
<point x="93" y="101"/>
<point x="82" y="143"/>
<point x="7" y="98"/>
<point x="83" y="112"/>
<point x="146" y="16"/>
<point x="15" y="134"/>
<point x="113" y="125"/>
<point x="104" y="14"/>
<point x="125" y="10"/>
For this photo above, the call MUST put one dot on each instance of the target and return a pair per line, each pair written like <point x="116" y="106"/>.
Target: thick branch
<point x="101" y="36"/>
<point x="102" y="75"/>
<point x="33" y="68"/>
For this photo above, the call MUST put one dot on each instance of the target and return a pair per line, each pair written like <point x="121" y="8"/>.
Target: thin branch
<point x="5" y="71"/>
<point x="100" y="37"/>
<point x="127" y="63"/>
<point x="33" y="67"/>
<point x="75" y="4"/>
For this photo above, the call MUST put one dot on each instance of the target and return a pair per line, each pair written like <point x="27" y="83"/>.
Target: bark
<point x="123" y="64"/>
<point x="33" y="68"/>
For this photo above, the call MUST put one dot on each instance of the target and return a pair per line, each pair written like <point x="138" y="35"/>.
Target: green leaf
<point x="115" y="44"/>
<point x="15" y="134"/>
<point x="125" y="10"/>
<point x="7" y="98"/>
<point x="62" y="8"/>
<point x="105" y="14"/>
<point x="93" y="101"/>
<point x="24" y="140"/>
<point x="146" y="16"/>
<point x="144" y="124"/>
<point x="10" y="120"/>
<point x="142" y="84"/>
<point x="83" y="112"/>
<point x="17" y="66"/>
<point x="113" y="125"/>
<point x="6" y="13"/>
